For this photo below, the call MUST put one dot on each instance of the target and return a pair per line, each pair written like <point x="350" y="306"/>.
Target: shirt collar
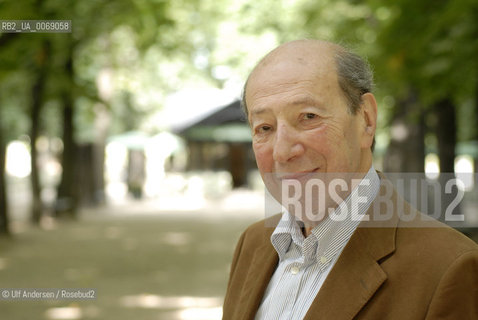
<point x="331" y="235"/>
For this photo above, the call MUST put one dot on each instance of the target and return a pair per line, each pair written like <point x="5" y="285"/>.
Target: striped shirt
<point x="304" y="263"/>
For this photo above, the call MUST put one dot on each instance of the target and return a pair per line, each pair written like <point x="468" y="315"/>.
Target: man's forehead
<point x="303" y="56"/>
<point x="300" y="51"/>
<point x="294" y="62"/>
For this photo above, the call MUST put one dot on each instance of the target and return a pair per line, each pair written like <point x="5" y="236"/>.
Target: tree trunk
<point x="67" y="193"/>
<point x="37" y="101"/>
<point x="4" y="212"/>
<point x="446" y="134"/>
<point x="4" y="226"/>
<point x="85" y="175"/>
<point x="237" y="164"/>
<point x="89" y="185"/>
<point x="406" y="151"/>
<point x="98" y="172"/>
<point x="102" y="123"/>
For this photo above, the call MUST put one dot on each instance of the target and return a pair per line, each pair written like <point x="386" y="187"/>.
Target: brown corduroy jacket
<point x="401" y="270"/>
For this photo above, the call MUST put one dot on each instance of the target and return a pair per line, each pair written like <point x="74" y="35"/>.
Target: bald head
<point x="353" y="74"/>
<point x="302" y="51"/>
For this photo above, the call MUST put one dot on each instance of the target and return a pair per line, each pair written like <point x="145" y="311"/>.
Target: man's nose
<point x="287" y="145"/>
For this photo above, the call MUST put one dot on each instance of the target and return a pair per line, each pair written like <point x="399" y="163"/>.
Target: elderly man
<point x="312" y="114"/>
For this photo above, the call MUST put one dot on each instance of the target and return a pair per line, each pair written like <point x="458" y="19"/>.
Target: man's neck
<point x="306" y="231"/>
<point x="354" y="182"/>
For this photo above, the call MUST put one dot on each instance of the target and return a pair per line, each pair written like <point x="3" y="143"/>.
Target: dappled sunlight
<point x="157" y="150"/>
<point x="115" y="163"/>
<point x="48" y="223"/>
<point x="116" y="190"/>
<point x="18" y="162"/>
<point x="18" y="227"/>
<point x="72" y="312"/>
<point x="64" y="313"/>
<point x="152" y="301"/>
<point x="432" y="166"/>
<point x="200" y="313"/>
<point x="3" y="263"/>
<point x="243" y="200"/>
<point x="463" y="168"/>
<point x="464" y="171"/>
<point x="195" y="191"/>
<point x="176" y="238"/>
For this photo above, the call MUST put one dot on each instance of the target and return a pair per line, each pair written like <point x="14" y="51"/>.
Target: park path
<point x="152" y="259"/>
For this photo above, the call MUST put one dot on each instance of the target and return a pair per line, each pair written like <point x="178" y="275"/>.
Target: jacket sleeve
<point x="456" y="296"/>
<point x="235" y="258"/>
<point x="229" y="302"/>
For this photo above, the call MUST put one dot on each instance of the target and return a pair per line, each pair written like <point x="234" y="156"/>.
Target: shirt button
<point x="323" y="259"/>
<point x="294" y="270"/>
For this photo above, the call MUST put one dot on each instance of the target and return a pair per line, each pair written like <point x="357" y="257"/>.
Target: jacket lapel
<point x="357" y="274"/>
<point x="350" y="284"/>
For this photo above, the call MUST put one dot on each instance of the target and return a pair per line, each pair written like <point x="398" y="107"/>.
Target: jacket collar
<point x="351" y="283"/>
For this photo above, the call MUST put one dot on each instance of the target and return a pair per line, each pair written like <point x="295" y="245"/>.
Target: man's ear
<point x="368" y="112"/>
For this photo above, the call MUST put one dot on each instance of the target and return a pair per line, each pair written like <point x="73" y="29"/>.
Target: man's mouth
<point x="296" y="175"/>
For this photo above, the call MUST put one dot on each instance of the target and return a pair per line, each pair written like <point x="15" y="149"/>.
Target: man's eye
<point x="262" y="129"/>
<point x="310" y="116"/>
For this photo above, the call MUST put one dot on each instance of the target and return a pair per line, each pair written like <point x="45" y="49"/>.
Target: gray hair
<point x="355" y="77"/>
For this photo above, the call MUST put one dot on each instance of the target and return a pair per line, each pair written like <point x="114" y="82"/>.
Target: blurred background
<point x="125" y="159"/>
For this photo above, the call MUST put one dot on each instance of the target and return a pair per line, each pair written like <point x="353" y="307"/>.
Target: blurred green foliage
<point x="123" y="58"/>
<point x="152" y="48"/>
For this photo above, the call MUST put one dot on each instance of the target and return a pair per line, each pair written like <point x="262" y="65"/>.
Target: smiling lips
<point x="296" y="175"/>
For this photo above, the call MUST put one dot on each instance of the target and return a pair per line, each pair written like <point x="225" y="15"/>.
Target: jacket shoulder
<point x="434" y="236"/>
